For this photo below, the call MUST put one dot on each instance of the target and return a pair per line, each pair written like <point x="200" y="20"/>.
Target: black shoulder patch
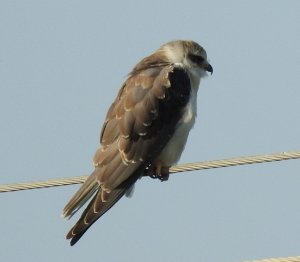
<point x="180" y="87"/>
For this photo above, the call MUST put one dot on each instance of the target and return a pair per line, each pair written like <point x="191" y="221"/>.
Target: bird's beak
<point x="207" y="67"/>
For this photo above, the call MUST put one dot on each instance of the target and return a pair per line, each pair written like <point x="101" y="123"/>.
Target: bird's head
<point x="188" y="54"/>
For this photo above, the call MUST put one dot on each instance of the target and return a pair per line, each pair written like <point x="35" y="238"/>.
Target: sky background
<point x="61" y="65"/>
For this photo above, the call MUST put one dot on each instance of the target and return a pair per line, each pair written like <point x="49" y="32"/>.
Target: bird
<point x="145" y="129"/>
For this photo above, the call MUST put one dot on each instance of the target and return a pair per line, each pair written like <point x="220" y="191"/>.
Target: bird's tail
<point x="84" y="193"/>
<point x="99" y="205"/>
<point x="93" y="212"/>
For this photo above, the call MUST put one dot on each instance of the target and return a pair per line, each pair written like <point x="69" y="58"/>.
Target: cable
<point x="175" y="169"/>
<point x="281" y="259"/>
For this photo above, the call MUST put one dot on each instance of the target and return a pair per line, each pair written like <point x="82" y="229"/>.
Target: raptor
<point x="145" y="130"/>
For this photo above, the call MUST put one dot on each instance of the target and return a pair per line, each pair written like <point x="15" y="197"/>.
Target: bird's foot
<point x="160" y="172"/>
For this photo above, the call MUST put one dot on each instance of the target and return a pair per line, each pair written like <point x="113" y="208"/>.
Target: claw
<point x="159" y="171"/>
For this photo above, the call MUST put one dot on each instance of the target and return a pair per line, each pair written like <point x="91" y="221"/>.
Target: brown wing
<point x="138" y="125"/>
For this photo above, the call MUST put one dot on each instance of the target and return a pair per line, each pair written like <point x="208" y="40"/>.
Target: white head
<point x="189" y="54"/>
<point x="184" y="53"/>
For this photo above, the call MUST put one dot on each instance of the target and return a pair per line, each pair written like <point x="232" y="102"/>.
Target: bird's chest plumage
<point x="172" y="151"/>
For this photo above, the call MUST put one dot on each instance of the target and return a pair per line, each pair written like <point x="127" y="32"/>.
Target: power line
<point x="175" y="169"/>
<point x="281" y="259"/>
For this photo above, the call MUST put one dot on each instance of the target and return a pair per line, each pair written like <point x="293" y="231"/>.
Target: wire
<point x="281" y="259"/>
<point x="175" y="169"/>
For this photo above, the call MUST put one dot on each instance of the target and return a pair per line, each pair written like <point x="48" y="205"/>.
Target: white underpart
<point x="173" y="150"/>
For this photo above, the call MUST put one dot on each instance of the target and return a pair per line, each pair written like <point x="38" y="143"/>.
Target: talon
<point x="159" y="171"/>
<point x="163" y="173"/>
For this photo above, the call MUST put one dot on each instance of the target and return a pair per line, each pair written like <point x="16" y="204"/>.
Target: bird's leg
<point x="159" y="171"/>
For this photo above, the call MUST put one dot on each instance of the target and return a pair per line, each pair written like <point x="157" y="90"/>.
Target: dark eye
<point x="196" y="58"/>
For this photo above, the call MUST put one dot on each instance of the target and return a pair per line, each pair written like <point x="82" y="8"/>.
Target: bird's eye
<point x="196" y="58"/>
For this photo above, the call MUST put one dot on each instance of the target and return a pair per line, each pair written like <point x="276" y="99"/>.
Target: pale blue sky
<point x="61" y="65"/>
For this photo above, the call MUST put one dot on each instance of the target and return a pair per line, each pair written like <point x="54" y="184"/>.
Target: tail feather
<point x="85" y="192"/>
<point x="89" y="216"/>
<point x="98" y="206"/>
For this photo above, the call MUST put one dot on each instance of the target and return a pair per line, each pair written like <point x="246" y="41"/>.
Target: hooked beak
<point x="208" y="68"/>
